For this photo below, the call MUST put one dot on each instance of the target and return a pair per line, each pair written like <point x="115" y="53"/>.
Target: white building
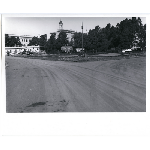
<point x="24" y="39"/>
<point x="69" y="33"/>
<point x="14" y="49"/>
<point x="33" y="49"/>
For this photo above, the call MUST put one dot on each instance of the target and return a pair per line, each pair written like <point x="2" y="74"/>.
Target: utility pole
<point x="82" y="40"/>
<point x="82" y="35"/>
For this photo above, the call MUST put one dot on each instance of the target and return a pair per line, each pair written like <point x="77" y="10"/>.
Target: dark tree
<point x="7" y="40"/>
<point x="61" y="40"/>
<point x="50" y="45"/>
<point x="34" y="41"/>
<point x="77" y="39"/>
<point x="42" y="41"/>
<point x="93" y="38"/>
<point x="12" y="41"/>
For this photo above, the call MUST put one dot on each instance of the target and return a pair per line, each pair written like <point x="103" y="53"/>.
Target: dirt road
<point x="34" y="85"/>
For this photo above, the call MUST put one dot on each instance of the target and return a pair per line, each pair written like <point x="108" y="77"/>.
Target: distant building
<point x="33" y="49"/>
<point x="24" y="39"/>
<point x="14" y="49"/>
<point x="69" y="33"/>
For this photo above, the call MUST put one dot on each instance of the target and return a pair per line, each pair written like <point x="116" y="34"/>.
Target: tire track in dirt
<point x="65" y="88"/>
<point x="83" y="76"/>
<point x="101" y="94"/>
<point x="116" y="77"/>
<point x="58" y="86"/>
<point x="115" y="99"/>
<point x="67" y="93"/>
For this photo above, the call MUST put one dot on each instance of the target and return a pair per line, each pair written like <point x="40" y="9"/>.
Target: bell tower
<point x="60" y="25"/>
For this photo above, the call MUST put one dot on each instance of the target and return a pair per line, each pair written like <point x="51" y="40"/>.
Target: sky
<point x="35" y="26"/>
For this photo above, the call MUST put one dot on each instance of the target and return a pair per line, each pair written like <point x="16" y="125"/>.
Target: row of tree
<point x="39" y="41"/>
<point x="97" y="39"/>
<point x="105" y="39"/>
<point x="11" y="41"/>
<point x="113" y="38"/>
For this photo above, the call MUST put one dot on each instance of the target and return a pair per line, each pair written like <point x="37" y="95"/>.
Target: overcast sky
<point x="45" y="25"/>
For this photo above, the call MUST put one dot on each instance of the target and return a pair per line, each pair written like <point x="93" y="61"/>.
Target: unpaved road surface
<point x="34" y="85"/>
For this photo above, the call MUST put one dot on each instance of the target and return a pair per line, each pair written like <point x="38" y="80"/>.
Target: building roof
<point x="62" y="30"/>
<point x="26" y="36"/>
<point x="14" y="47"/>
<point x="13" y="35"/>
<point x="34" y="46"/>
<point x="67" y="31"/>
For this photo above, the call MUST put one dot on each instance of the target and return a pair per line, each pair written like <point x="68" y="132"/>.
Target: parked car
<point x="126" y="50"/>
<point x="12" y="54"/>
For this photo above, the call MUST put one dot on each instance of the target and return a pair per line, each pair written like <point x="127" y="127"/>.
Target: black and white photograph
<point x="74" y="75"/>
<point x="75" y="64"/>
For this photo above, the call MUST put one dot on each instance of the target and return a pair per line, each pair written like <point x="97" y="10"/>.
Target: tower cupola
<point x="60" y="25"/>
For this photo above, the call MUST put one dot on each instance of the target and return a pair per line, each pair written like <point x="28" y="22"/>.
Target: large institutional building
<point x="69" y="33"/>
<point x="24" y="39"/>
